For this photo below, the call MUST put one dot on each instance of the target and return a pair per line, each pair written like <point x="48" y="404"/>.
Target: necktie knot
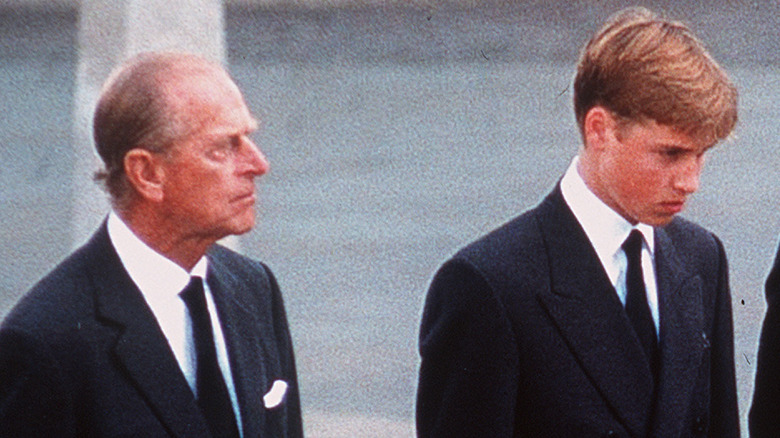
<point x="633" y="245"/>
<point x="193" y="295"/>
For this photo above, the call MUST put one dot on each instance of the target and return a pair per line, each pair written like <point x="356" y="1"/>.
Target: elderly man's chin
<point x="236" y="225"/>
<point x="244" y="224"/>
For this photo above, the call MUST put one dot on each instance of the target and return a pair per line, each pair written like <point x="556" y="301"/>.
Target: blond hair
<point x="640" y="66"/>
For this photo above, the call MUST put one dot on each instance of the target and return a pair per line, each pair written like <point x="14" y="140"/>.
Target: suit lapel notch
<point x="584" y="306"/>
<point x="250" y="357"/>
<point x="141" y="349"/>
<point x="607" y="351"/>
<point x="683" y="340"/>
<point x="163" y="385"/>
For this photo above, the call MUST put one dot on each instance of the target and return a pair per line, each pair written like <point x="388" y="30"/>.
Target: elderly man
<point x="151" y="329"/>
<point x="599" y="313"/>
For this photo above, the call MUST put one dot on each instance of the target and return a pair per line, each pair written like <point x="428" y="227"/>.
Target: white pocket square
<point x="276" y="395"/>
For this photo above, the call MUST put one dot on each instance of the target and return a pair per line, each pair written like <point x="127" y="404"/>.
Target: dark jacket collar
<point x="141" y="348"/>
<point x="585" y="307"/>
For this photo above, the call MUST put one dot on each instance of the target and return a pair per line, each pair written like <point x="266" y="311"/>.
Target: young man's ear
<point x="599" y="127"/>
<point x="145" y="174"/>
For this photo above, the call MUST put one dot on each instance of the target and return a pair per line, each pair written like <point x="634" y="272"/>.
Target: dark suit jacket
<point x="765" y="412"/>
<point x="81" y="355"/>
<point x="523" y="335"/>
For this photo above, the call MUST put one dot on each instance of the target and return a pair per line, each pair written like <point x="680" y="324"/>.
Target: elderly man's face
<point x="209" y="189"/>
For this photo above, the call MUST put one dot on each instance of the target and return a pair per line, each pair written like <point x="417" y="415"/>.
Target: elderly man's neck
<point x="167" y="236"/>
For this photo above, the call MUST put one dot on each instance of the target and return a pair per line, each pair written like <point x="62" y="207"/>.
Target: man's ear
<point x="599" y="128"/>
<point x="145" y="173"/>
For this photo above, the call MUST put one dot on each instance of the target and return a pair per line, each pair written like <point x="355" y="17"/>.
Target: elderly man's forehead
<point x="190" y="90"/>
<point x="193" y="74"/>
<point x="207" y="107"/>
<point x="161" y="61"/>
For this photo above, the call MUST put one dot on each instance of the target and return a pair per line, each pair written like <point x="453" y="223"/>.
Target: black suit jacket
<point x="523" y="335"/>
<point x="765" y="413"/>
<point x="82" y="355"/>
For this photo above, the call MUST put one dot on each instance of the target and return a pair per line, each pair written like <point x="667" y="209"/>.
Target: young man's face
<point x="647" y="171"/>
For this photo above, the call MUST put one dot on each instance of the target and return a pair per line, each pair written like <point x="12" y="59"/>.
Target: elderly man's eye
<point x="219" y="153"/>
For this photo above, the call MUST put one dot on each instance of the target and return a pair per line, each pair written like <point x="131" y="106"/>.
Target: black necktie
<point x="636" y="300"/>
<point x="212" y="395"/>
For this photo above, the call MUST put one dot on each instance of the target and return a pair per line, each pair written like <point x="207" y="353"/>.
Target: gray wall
<point x="395" y="135"/>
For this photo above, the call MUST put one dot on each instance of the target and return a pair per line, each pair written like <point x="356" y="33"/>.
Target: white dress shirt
<point x="607" y="230"/>
<point x="160" y="280"/>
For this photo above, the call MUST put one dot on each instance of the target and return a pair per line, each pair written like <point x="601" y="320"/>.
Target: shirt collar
<point x="154" y="274"/>
<point x="605" y="228"/>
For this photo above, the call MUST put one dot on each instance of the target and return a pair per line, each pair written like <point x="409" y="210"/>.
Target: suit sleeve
<point x="34" y="401"/>
<point x="764" y="418"/>
<point x="724" y="412"/>
<point x="467" y="383"/>
<point x="294" y="426"/>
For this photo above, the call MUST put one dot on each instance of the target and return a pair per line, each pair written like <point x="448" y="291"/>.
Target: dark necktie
<point x="636" y="300"/>
<point x="213" y="399"/>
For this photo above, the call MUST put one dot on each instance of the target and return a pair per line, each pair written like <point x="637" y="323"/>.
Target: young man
<point x="599" y="313"/>
<point x="150" y="329"/>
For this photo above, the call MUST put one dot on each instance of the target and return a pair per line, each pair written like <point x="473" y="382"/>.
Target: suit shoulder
<point x="510" y="241"/>
<point x="59" y="298"/>
<point x="683" y="227"/>
<point x="227" y="258"/>
<point x="694" y="249"/>
<point x="690" y="237"/>
<point x="244" y="269"/>
<point x="511" y="255"/>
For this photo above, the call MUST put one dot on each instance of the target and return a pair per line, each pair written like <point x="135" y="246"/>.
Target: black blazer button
<point x="699" y="425"/>
<point x="610" y="433"/>
<point x="705" y="340"/>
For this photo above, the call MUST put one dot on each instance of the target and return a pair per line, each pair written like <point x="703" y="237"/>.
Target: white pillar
<point x="111" y="31"/>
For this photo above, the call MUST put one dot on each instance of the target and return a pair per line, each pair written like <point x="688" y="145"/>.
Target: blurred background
<point x="397" y="133"/>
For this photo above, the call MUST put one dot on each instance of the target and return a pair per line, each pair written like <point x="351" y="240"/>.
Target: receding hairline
<point x="167" y="76"/>
<point x="162" y="62"/>
<point x="155" y="70"/>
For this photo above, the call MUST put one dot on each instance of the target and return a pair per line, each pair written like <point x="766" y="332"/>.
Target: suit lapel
<point x="683" y="339"/>
<point x="584" y="306"/>
<point x="247" y="333"/>
<point x="141" y="348"/>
